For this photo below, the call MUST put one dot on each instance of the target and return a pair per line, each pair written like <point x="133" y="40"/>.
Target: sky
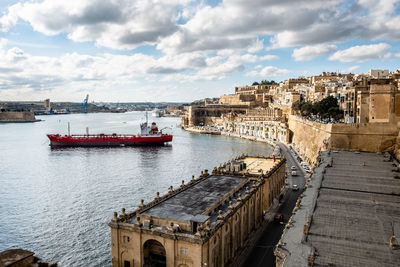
<point x="184" y="50"/>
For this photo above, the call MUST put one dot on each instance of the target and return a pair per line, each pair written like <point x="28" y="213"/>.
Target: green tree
<point x="296" y="105"/>
<point x="326" y="108"/>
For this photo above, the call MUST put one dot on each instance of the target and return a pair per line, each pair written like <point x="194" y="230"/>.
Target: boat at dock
<point x="149" y="135"/>
<point x="156" y="113"/>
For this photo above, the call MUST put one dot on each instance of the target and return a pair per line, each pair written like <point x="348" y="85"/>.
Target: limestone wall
<point x="369" y="137"/>
<point x="14" y="116"/>
<point x="310" y="137"/>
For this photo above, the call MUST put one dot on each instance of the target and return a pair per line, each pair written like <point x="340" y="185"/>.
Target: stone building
<point x="211" y="114"/>
<point x="206" y="222"/>
<point x="264" y="129"/>
<point x="252" y="96"/>
<point x="380" y="103"/>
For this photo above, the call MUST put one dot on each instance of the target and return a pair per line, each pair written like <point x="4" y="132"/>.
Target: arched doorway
<point x="154" y="254"/>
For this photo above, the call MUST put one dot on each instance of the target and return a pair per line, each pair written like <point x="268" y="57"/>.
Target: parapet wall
<point x="15" y="116"/>
<point x="312" y="137"/>
<point x="368" y="137"/>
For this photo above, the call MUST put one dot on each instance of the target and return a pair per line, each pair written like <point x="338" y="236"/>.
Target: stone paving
<point x="350" y="210"/>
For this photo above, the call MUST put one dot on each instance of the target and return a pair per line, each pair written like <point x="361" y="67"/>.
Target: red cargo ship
<point x="148" y="136"/>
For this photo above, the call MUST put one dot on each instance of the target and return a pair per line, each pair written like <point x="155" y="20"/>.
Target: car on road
<point x="294" y="173"/>
<point x="295" y="187"/>
<point x="278" y="217"/>
<point x="293" y="168"/>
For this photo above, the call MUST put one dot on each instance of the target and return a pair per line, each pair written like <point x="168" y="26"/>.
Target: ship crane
<point x="85" y="104"/>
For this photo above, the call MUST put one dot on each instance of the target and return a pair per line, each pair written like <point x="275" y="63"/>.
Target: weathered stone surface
<point x="312" y="137"/>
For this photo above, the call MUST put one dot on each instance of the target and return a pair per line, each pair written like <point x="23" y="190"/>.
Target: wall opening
<point x="154" y="254"/>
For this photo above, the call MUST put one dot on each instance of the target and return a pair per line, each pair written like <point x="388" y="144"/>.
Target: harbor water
<point x="58" y="202"/>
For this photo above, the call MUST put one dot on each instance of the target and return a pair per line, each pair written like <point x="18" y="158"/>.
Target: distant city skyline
<point x="183" y="50"/>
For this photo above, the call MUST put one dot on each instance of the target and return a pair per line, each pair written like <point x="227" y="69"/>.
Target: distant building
<point x="378" y="74"/>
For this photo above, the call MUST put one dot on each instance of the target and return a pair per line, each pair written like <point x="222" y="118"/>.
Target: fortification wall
<point x="311" y="137"/>
<point x="14" y="116"/>
<point x="369" y="137"/>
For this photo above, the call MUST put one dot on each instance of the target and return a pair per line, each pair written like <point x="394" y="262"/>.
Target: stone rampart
<point x="311" y="137"/>
<point x="15" y="116"/>
<point x="369" y="137"/>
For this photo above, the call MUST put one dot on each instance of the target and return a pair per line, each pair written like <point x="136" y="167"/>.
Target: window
<point x="184" y="251"/>
<point x="126" y="239"/>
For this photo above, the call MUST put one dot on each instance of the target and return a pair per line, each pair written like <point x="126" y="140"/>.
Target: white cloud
<point x="362" y="53"/>
<point x="397" y="55"/>
<point x="236" y="24"/>
<point x="118" y="24"/>
<point x="43" y="76"/>
<point x="310" y="52"/>
<point x="257" y="46"/>
<point x="10" y="19"/>
<point x="267" y="72"/>
<point x="352" y="69"/>
<point x="180" y="26"/>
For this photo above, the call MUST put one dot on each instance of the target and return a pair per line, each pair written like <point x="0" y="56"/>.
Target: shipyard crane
<point x="85" y="104"/>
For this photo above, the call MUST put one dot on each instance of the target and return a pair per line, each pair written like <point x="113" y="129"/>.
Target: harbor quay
<point x="205" y="222"/>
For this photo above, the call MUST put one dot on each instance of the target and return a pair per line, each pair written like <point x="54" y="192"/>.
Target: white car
<point x="295" y="187"/>
<point x="293" y="168"/>
<point x="294" y="173"/>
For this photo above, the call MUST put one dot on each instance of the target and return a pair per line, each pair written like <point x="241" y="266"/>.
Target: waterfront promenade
<point x="215" y="131"/>
<point x="203" y="130"/>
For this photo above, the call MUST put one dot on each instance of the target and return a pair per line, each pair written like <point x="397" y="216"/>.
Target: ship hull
<point x="107" y="140"/>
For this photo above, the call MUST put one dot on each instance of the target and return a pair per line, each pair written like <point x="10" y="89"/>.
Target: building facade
<point x="205" y="222"/>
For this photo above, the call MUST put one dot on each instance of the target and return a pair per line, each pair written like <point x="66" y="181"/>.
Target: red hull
<point x="107" y="140"/>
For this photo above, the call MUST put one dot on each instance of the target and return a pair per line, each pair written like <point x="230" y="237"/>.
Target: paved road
<point x="263" y="252"/>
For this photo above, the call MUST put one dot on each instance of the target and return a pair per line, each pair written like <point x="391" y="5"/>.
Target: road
<point x="263" y="252"/>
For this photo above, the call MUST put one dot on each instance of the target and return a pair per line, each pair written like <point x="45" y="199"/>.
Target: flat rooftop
<point x="356" y="213"/>
<point x="14" y="256"/>
<point x="253" y="164"/>
<point x="191" y="203"/>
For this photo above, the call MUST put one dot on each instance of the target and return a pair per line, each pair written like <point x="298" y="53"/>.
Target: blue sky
<point x="182" y="50"/>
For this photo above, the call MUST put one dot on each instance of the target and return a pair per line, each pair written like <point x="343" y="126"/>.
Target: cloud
<point x="117" y="24"/>
<point x="362" y="53"/>
<point x="268" y="72"/>
<point x="257" y="46"/>
<point x="310" y="52"/>
<point x="352" y="69"/>
<point x="181" y="26"/>
<point x="236" y="24"/>
<point x="9" y="20"/>
<point x="73" y="72"/>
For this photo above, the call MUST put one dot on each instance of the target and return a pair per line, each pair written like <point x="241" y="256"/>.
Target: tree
<point x="326" y="108"/>
<point x="296" y="105"/>
<point x="266" y="82"/>
<point x="255" y="83"/>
